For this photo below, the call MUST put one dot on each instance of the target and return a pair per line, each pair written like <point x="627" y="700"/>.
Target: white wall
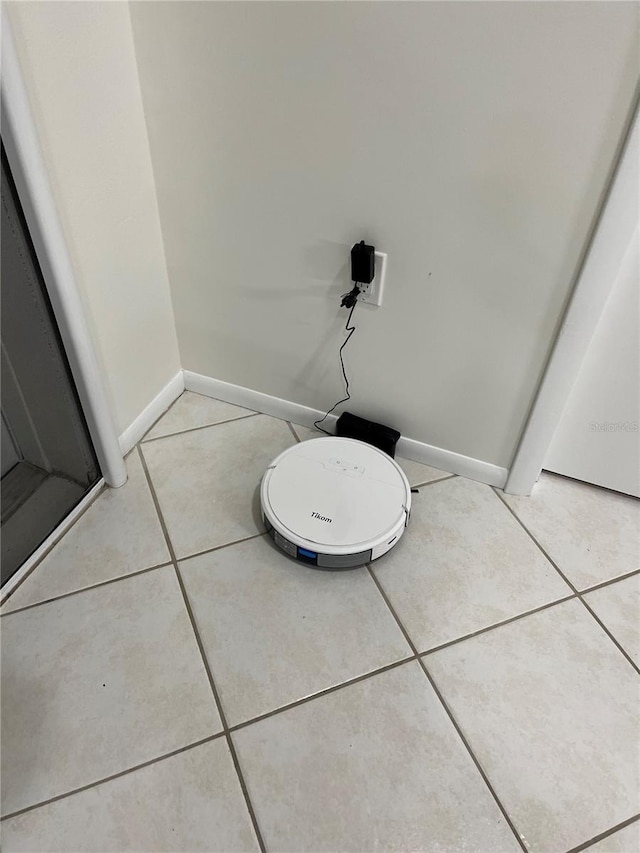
<point x="470" y="141"/>
<point x="79" y="67"/>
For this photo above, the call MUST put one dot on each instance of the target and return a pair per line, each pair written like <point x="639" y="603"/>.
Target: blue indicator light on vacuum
<point x="303" y="552"/>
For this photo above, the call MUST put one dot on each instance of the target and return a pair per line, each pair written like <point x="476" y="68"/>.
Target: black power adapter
<point x="363" y="263"/>
<point x="363" y="268"/>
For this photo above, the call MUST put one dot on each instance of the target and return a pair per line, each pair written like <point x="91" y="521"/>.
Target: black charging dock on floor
<point x="383" y="437"/>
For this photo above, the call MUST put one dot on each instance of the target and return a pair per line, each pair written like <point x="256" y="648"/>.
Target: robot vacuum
<point x="335" y="503"/>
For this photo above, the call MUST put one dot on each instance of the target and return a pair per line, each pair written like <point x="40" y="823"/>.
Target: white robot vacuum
<point x="335" y="503"/>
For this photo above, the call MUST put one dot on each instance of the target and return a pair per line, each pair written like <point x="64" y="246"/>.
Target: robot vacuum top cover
<point x="335" y="502"/>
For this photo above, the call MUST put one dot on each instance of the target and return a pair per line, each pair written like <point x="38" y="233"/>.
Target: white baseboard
<point x="436" y="457"/>
<point x="146" y="419"/>
<point x="25" y="569"/>
<point x="455" y="463"/>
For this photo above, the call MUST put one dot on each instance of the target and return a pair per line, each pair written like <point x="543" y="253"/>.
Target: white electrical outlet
<point x="372" y="293"/>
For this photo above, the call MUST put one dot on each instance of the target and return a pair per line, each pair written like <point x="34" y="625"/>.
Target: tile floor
<point x="171" y="682"/>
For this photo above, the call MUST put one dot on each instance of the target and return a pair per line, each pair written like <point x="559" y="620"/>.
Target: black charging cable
<point x="349" y="300"/>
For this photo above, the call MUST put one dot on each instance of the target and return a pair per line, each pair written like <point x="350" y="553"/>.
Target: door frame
<point x="617" y="221"/>
<point x="22" y="147"/>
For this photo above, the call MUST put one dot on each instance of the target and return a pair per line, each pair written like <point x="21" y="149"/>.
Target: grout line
<point x="295" y="435"/>
<point x="405" y="633"/>
<point x="121" y="577"/>
<point x="416" y="655"/>
<point x="172" y="553"/>
<point x="127" y="575"/>
<point x="596" y="586"/>
<point x="196" y="428"/>
<point x="479" y="767"/>
<point x="449" y="713"/>
<point x="577" y="592"/>
<point x="431" y="482"/>
<point x="496" y="491"/>
<point x="472" y="634"/>
<point x="85" y="589"/>
<point x="223" y="733"/>
<point x="605" y="834"/>
<point x="205" y="662"/>
<point x="609" y="634"/>
<point x="325" y="692"/>
<point x="113" y="776"/>
<point x="221" y="713"/>
<point x="220" y="547"/>
<point x="498" y="624"/>
<point x="245" y="792"/>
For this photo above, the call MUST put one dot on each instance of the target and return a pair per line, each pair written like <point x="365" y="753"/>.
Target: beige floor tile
<point x="188" y="802"/>
<point x="618" y="605"/>
<point x="119" y="533"/>
<point x="416" y="472"/>
<point x="374" y="766"/>
<point x="98" y="682"/>
<point x="194" y="410"/>
<point x="550" y="708"/>
<point x="275" y="631"/>
<point x="463" y="564"/>
<point x="207" y="480"/>
<point x="592" y="534"/>
<point x="625" y="840"/>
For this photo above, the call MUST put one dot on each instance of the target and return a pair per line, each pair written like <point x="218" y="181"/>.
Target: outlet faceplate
<point x="372" y="293"/>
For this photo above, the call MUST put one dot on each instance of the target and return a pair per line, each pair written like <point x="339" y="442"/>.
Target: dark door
<point x="48" y="461"/>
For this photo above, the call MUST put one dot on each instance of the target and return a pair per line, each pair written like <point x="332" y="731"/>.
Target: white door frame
<point x="618" y="220"/>
<point x="27" y="167"/>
